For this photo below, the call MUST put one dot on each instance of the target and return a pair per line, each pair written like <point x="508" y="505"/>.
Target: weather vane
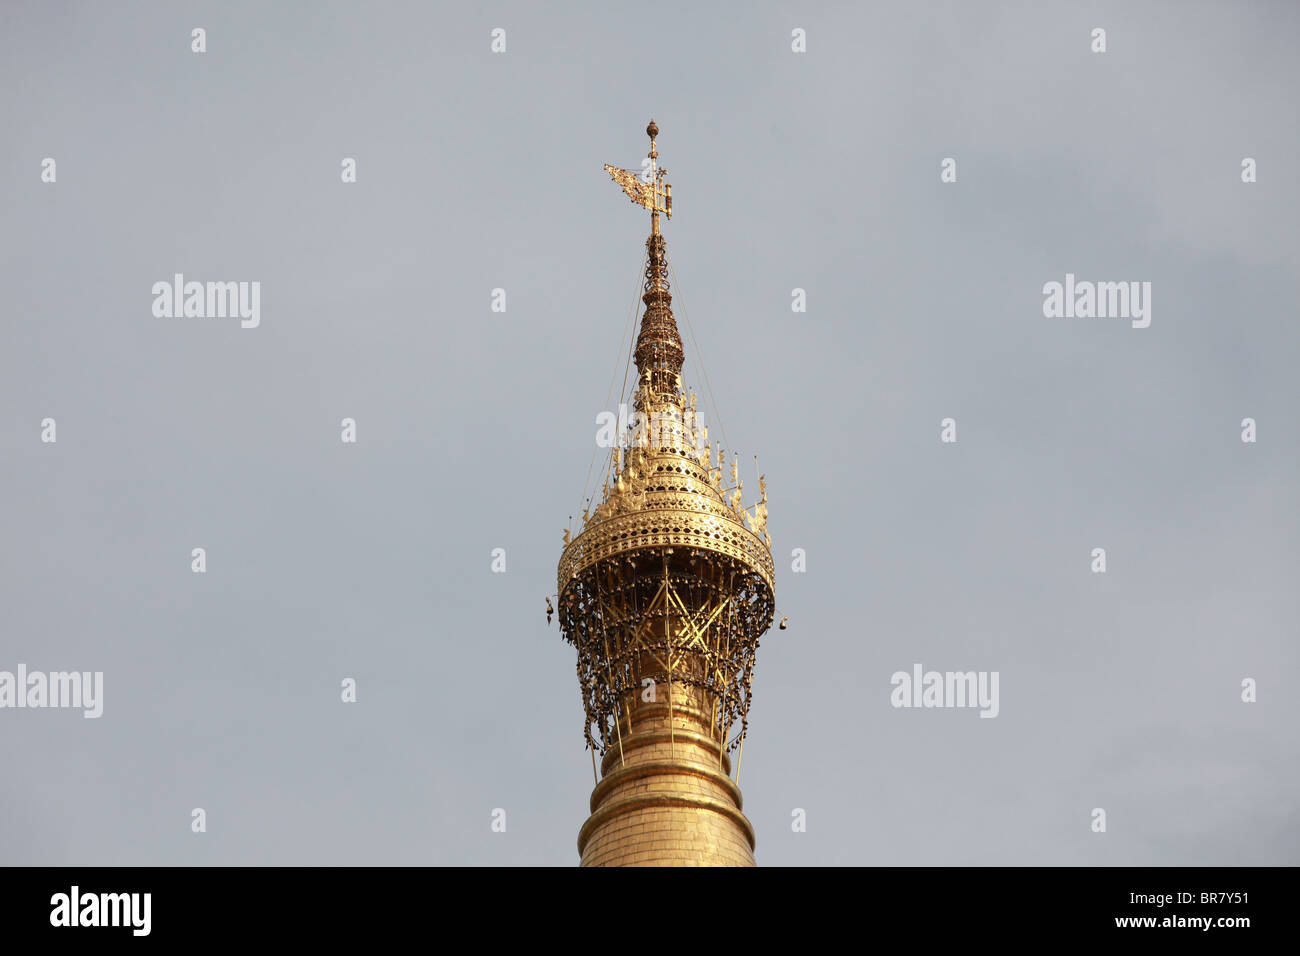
<point x="648" y="187"/>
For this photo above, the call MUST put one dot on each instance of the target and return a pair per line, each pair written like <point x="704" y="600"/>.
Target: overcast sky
<point x="818" y="171"/>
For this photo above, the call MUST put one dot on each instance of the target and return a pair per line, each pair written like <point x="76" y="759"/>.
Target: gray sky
<point x="817" y="170"/>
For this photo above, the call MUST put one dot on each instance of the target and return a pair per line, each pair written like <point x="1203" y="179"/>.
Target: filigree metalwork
<point x="670" y="579"/>
<point x="639" y="192"/>
<point x="650" y="189"/>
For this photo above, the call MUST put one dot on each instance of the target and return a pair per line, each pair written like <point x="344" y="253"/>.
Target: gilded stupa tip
<point x="668" y="583"/>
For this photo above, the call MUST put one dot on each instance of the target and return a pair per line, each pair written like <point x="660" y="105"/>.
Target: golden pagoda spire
<point x="665" y="593"/>
<point x="659" y="353"/>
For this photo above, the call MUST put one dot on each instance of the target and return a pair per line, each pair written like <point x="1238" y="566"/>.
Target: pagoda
<point x="664" y="591"/>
